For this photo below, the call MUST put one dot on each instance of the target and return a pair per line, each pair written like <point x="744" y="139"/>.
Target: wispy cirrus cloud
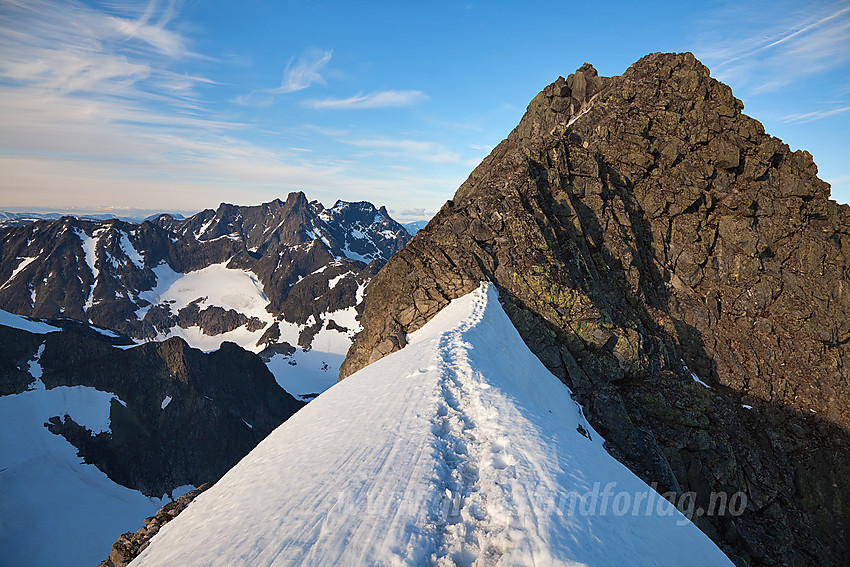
<point x="410" y="149"/>
<point x="303" y="72"/>
<point x="748" y="46"/>
<point x="380" y="99"/>
<point x="815" y="115"/>
<point x="150" y="28"/>
<point x="300" y="73"/>
<point x="102" y="107"/>
<point x="117" y="64"/>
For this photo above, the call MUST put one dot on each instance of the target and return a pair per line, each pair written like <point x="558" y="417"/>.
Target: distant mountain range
<point x="253" y="275"/>
<point x="19" y="219"/>
<point x="415" y="226"/>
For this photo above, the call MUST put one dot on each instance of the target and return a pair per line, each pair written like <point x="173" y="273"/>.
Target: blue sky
<point x="133" y="108"/>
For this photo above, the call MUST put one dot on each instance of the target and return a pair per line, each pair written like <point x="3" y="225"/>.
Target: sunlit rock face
<point x="683" y="272"/>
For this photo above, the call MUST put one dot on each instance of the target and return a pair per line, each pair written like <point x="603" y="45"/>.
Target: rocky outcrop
<point x="215" y="320"/>
<point x="645" y="234"/>
<point x="129" y="545"/>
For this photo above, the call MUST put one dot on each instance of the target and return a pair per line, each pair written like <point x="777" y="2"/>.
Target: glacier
<point x="460" y="449"/>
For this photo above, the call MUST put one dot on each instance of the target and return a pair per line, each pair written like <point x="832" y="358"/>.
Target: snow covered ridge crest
<point x="460" y="449"/>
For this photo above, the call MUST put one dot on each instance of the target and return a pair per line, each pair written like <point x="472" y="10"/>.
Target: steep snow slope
<point x="460" y="449"/>
<point x="77" y="411"/>
<point x="55" y="509"/>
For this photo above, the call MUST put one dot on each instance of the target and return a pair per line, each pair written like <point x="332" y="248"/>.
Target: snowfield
<point x="219" y="285"/>
<point x="306" y="374"/>
<point x="55" y="509"/>
<point x="460" y="449"/>
<point x="25" y="324"/>
<point x="313" y="371"/>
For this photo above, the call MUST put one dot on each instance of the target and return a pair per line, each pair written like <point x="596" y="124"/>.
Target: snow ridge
<point x="464" y="450"/>
<point x="460" y="450"/>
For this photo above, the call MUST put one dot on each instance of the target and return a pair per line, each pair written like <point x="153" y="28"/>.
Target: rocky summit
<point x="685" y="273"/>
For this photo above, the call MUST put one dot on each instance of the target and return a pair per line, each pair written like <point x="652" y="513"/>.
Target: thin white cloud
<point x="303" y="72"/>
<point x="760" y="47"/>
<point x="816" y="115"/>
<point x="323" y="130"/>
<point x="299" y="74"/>
<point x="791" y="36"/>
<point x="840" y="187"/>
<point x="256" y="98"/>
<point x="381" y="99"/>
<point x="70" y="48"/>
<point x="409" y="149"/>
<point x="154" y="34"/>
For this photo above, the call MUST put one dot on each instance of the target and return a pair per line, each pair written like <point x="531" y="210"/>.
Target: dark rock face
<point x="640" y="229"/>
<point x="128" y="546"/>
<point x="97" y="270"/>
<point x="186" y="417"/>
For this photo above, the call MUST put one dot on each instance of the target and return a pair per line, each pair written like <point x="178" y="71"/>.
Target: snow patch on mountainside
<point x="18" y="322"/>
<point x="34" y="365"/>
<point x="460" y="449"/>
<point x="197" y="338"/>
<point x="215" y="285"/>
<point x="305" y="374"/>
<point x="130" y="251"/>
<point x="308" y="372"/>
<point x="24" y="262"/>
<point x="89" y="246"/>
<point x="219" y="285"/>
<point x="332" y="340"/>
<point x="47" y="494"/>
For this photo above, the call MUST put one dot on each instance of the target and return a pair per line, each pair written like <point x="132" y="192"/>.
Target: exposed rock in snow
<point x="128" y="546"/>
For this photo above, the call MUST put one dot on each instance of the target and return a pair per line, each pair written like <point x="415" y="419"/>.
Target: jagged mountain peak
<point x="125" y="275"/>
<point x="673" y="264"/>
